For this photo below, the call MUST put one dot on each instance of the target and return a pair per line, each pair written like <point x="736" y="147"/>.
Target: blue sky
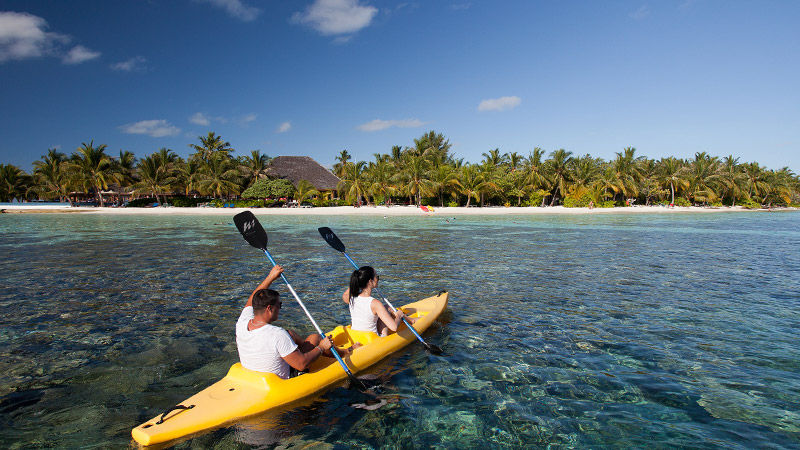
<point x="314" y="77"/>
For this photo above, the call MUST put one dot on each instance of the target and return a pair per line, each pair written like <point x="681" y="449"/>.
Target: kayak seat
<point x="344" y="336"/>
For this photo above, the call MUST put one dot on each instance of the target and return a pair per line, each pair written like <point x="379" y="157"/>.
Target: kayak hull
<point x="244" y="392"/>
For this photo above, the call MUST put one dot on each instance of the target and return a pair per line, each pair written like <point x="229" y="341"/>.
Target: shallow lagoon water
<point x="581" y="332"/>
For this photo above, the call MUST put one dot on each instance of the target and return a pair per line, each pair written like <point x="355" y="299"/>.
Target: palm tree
<point x="305" y="190"/>
<point x="756" y="182"/>
<point x="189" y="173"/>
<point x="492" y="176"/>
<point x="671" y="173"/>
<point x="732" y="177"/>
<point x="93" y="168"/>
<point x="14" y="183"/>
<point x="211" y="146"/>
<point x="339" y="167"/>
<point x="414" y="176"/>
<point x="703" y="177"/>
<point x="494" y="158"/>
<point x="534" y="169"/>
<point x="559" y="167"/>
<point x="123" y="169"/>
<point x="443" y="179"/>
<point x="514" y="159"/>
<point x="220" y="176"/>
<point x="626" y="172"/>
<point x="52" y="175"/>
<point x="649" y="186"/>
<point x="780" y="186"/>
<point x="471" y="180"/>
<point x="381" y="174"/>
<point x="354" y="181"/>
<point x="157" y="174"/>
<point x="434" y="147"/>
<point x="254" y="167"/>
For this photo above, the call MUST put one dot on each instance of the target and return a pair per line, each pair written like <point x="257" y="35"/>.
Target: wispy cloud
<point x="236" y="9"/>
<point x="154" y="128"/>
<point x="136" y="63"/>
<point x="499" y="104"/>
<point x="205" y="120"/>
<point x="336" y="17"/>
<point x="246" y="119"/>
<point x="284" y="127"/>
<point x="377" y="124"/>
<point x="640" y="13"/>
<point x="200" y="119"/>
<point x="79" y="54"/>
<point x="25" y="36"/>
<point x="460" y="6"/>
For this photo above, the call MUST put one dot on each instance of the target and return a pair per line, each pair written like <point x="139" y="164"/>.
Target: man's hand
<point x="275" y="273"/>
<point x="326" y="343"/>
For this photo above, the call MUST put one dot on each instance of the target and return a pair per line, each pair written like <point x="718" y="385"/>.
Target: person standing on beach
<point x="264" y="347"/>
<point x="366" y="312"/>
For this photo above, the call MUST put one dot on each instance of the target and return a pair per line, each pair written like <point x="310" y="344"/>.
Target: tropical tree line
<point x="423" y="173"/>
<point x="428" y="173"/>
<point x="211" y="170"/>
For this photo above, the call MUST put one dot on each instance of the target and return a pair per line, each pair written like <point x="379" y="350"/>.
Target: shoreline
<point x="26" y="208"/>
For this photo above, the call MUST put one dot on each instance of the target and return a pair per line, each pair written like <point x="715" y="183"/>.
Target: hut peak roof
<point x="296" y="168"/>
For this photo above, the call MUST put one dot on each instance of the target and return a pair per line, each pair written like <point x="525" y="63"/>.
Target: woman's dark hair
<point x="359" y="280"/>
<point x="263" y="298"/>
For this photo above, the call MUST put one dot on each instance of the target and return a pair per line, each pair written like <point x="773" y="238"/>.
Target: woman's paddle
<point x="254" y="234"/>
<point x="334" y="241"/>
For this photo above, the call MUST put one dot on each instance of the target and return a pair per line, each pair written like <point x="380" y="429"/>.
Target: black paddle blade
<point x="434" y="349"/>
<point x="251" y="230"/>
<point x="331" y="238"/>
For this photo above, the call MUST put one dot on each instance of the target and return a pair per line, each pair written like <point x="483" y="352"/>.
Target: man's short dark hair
<point x="263" y="298"/>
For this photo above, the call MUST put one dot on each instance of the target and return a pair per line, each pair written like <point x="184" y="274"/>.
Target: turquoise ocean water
<point x="581" y="332"/>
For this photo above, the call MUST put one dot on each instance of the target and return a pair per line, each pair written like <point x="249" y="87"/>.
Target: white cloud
<point x="640" y="13"/>
<point x="205" y="120"/>
<point x="23" y="36"/>
<point x="79" y="54"/>
<point x="130" y="65"/>
<point x="499" y="104"/>
<point x="236" y="9"/>
<point x="284" y="127"/>
<point x="154" y="128"/>
<point x="335" y="17"/>
<point x="200" y="119"/>
<point x="377" y="124"/>
<point x="245" y="120"/>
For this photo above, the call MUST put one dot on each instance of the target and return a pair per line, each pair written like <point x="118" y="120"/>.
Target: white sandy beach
<point x="370" y="210"/>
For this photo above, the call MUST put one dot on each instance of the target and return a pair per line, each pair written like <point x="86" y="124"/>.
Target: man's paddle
<point x="254" y="234"/>
<point x="334" y="241"/>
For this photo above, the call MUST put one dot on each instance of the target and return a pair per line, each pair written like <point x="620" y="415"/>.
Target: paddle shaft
<point x="377" y="291"/>
<point x="319" y="330"/>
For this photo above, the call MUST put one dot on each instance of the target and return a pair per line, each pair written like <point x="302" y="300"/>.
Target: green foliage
<point x="580" y="202"/>
<point x="750" y="204"/>
<point x="605" y="204"/>
<point x="680" y="201"/>
<point x="266" y="188"/>
<point x="536" y="198"/>
<point x="187" y="202"/>
<point x="452" y="204"/>
<point x="716" y="204"/>
<point x="140" y="202"/>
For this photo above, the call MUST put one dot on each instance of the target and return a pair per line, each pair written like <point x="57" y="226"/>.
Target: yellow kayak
<point x="244" y="392"/>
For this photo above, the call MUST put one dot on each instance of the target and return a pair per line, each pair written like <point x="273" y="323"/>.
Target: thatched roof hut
<point x="296" y="168"/>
